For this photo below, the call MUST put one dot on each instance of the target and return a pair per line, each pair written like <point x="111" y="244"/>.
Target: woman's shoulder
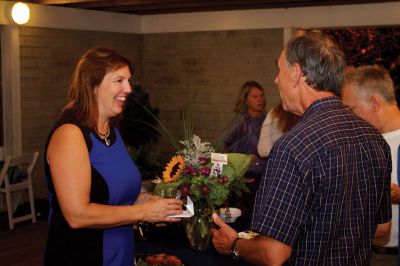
<point x="67" y="133"/>
<point x="69" y="127"/>
<point x="69" y="117"/>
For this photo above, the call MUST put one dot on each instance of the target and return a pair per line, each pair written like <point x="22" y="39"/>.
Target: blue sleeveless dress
<point x="115" y="180"/>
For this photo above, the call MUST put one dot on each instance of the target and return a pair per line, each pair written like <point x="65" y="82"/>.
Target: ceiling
<point x="147" y="7"/>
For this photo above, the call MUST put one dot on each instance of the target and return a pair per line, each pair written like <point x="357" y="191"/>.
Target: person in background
<point x="250" y="107"/>
<point x="326" y="189"/>
<point x="277" y="122"/>
<point x="94" y="185"/>
<point x="369" y="92"/>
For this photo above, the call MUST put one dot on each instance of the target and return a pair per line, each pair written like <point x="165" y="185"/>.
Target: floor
<point x="23" y="245"/>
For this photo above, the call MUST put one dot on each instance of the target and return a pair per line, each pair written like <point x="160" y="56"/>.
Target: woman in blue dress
<point x="94" y="185"/>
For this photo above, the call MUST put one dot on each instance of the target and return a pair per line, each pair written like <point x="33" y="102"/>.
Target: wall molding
<point x="304" y="17"/>
<point x="378" y="14"/>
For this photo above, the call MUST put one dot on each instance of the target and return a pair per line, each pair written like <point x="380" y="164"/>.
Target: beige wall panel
<point x="211" y="65"/>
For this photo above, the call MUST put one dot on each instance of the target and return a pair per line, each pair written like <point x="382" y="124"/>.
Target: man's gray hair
<point x="372" y="79"/>
<point x="320" y="59"/>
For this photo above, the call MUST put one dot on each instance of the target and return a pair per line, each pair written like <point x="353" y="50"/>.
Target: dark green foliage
<point x="368" y="46"/>
<point x="138" y="128"/>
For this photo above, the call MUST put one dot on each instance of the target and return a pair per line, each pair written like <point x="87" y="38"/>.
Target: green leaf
<point x="239" y="162"/>
<point x="229" y="171"/>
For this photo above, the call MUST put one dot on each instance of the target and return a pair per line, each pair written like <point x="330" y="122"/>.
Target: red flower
<point x="203" y="160"/>
<point x="205" y="171"/>
<point x="223" y="179"/>
<point x="188" y="169"/>
<point x="205" y="189"/>
<point x="163" y="259"/>
<point x="185" y="189"/>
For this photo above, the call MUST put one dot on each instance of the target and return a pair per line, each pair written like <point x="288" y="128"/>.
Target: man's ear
<point x="376" y="102"/>
<point x="296" y="72"/>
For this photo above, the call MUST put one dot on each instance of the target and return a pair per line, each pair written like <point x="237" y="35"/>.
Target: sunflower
<point x="173" y="169"/>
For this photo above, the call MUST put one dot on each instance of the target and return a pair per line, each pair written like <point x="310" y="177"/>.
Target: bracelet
<point x="234" y="253"/>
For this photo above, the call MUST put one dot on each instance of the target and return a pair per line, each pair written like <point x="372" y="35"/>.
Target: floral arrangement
<point x="207" y="177"/>
<point x="190" y="172"/>
<point x="160" y="260"/>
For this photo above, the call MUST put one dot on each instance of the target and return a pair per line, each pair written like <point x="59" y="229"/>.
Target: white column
<point x="288" y="33"/>
<point x="10" y="69"/>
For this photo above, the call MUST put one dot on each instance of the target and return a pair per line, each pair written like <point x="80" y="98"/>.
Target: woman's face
<point x="112" y="92"/>
<point x="255" y="100"/>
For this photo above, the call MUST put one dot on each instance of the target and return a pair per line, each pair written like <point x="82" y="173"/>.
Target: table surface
<point x="172" y="240"/>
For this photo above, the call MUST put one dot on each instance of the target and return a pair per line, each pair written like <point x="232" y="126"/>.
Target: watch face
<point x="248" y="234"/>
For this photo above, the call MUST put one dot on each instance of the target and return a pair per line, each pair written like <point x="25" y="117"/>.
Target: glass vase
<point x="198" y="229"/>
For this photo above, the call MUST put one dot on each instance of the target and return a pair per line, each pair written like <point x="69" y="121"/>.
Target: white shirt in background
<point x="268" y="135"/>
<point x="393" y="139"/>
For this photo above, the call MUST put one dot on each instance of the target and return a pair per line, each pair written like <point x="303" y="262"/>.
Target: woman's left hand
<point x="145" y="197"/>
<point x="160" y="210"/>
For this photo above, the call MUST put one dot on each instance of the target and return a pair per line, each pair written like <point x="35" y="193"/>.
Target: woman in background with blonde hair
<point x="250" y="106"/>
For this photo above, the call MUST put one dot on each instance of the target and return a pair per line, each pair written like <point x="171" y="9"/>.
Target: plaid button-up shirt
<point x="326" y="187"/>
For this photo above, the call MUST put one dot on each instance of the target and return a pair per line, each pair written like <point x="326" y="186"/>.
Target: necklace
<point x="104" y="136"/>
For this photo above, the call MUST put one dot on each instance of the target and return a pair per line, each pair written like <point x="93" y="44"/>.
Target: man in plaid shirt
<point x="326" y="189"/>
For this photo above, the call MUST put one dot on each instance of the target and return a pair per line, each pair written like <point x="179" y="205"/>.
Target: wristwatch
<point x="234" y="253"/>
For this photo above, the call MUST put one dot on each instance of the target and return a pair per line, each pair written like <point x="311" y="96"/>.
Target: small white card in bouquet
<point x="189" y="212"/>
<point x="218" y="160"/>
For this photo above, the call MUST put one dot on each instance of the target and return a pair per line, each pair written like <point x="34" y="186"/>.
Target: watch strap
<point x="234" y="253"/>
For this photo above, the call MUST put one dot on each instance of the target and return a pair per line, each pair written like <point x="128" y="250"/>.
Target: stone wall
<point x="211" y="66"/>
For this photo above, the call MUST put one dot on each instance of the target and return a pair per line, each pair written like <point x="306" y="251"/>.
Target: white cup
<point x="235" y="213"/>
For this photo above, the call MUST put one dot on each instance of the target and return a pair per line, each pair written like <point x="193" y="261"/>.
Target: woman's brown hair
<point x="88" y="74"/>
<point x="286" y="120"/>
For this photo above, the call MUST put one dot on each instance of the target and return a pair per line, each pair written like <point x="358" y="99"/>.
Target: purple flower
<point x="217" y="171"/>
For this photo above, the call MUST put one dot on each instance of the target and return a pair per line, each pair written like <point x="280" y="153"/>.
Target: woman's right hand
<point x="159" y="209"/>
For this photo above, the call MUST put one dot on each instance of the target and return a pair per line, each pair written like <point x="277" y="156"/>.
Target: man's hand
<point x="382" y="234"/>
<point x="395" y="193"/>
<point x="223" y="237"/>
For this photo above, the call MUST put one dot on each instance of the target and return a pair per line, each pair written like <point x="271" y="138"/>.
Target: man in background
<point x="369" y="92"/>
<point x="326" y="188"/>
